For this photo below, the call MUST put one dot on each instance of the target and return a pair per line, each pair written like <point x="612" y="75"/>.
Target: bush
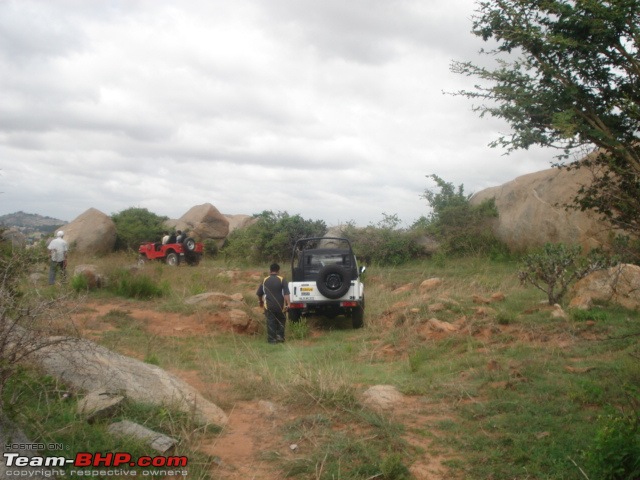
<point x="271" y="238"/>
<point x="460" y="227"/>
<point x="210" y="248"/>
<point x="28" y="322"/>
<point x="80" y="283"/>
<point x="615" y="452"/>
<point x="135" y="226"/>
<point x="392" y="468"/>
<point x="125" y="284"/>
<point x="557" y="266"/>
<point x="384" y="243"/>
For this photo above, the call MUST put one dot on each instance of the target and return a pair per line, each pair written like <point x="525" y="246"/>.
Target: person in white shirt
<point x="58" y="249"/>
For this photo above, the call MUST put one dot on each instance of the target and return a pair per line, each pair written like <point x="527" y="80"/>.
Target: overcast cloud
<point x="330" y="109"/>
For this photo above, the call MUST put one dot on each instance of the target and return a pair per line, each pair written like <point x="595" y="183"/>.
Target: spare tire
<point x="189" y="244"/>
<point x="333" y="281"/>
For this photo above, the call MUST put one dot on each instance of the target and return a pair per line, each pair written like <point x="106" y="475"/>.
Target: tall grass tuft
<point x="126" y="284"/>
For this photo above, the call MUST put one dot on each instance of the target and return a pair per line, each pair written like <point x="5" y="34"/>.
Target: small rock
<point x="480" y="300"/>
<point x="99" y="404"/>
<point x="431" y="283"/>
<point x="441" y="326"/>
<point x="382" y="396"/>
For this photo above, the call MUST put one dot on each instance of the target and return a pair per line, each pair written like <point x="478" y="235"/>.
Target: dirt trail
<point x="253" y="437"/>
<point x="250" y="434"/>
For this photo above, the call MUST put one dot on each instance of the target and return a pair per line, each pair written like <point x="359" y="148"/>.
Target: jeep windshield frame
<point x="309" y="256"/>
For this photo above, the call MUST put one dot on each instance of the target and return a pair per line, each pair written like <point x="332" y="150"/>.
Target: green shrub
<point x="460" y="227"/>
<point x="271" y="237"/>
<point x="383" y="243"/>
<point x="505" y="317"/>
<point x="392" y="468"/>
<point x="210" y="248"/>
<point x="80" y="283"/>
<point x="135" y="226"/>
<point x="557" y="266"/>
<point x="125" y="284"/>
<point x="298" y="330"/>
<point x="615" y="452"/>
<point x="591" y="314"/>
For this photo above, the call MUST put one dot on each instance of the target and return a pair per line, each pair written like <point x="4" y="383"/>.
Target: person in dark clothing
<point x="273" y="294"/>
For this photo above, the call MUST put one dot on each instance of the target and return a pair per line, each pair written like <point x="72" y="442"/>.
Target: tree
<point x="459" y="226"/>
<point x="568" y="77"/>
<point x="271" y="237"/>
<point x="557" y="266"/>
<point x="135" y="226"/>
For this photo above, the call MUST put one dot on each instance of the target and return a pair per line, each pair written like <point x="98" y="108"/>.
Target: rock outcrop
<point x="87" y="366"/>
<point x="240" y="221"/>
<point x="93" y="232"/>
<point x="619" y="285"/>
<point x="203" y="222"/>
<point x="532" y="211"/>
<point x="13" y="235"/>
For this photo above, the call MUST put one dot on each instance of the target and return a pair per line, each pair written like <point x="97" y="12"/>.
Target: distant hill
<point x="30" y="223"/>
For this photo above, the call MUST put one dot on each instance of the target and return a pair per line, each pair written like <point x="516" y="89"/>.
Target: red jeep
<point x="173" y="254"/>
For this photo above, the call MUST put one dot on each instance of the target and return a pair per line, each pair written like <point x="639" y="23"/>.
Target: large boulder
<point x="93" y="232"/>
<point x="240" y="221"/>
<point x="619" y="285"/>
<point x="532" y="211"/>
<point x="87" y="366"/>
<point x="13" y="439"/>
<point x="203" y="222"/>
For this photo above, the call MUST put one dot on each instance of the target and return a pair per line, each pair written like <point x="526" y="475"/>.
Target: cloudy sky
<point x="331" y="109"/>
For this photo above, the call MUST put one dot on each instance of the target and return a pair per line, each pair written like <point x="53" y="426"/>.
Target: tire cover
<point x="333" y="281"/>
<point x="189" y="244"/>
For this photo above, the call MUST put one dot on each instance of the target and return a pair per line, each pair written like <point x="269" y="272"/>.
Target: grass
<point x="51" y="418"/>
<point x="513" y="393"/>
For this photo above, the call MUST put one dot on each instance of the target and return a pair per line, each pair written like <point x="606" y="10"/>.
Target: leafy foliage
<point x="135" y="226"/>
<point x="626" y="248"/>
<point x="557" y="266"/>
<point x="210" y="248"/>
<point x="129" y="285"/>
<point x="27" y="323"/>
<point x="574" y="85"/>
<point x="383" y="243"/>
<point x="615" y="453"/>
<point x="271" y="237"/>
<point x="460" y="227"/>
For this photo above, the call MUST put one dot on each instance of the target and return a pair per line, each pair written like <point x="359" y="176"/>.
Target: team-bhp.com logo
<point x="171" y="465"/>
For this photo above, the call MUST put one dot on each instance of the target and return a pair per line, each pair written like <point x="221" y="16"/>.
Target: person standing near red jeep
<point x="58" y="249"/>
<point x="273" y="294"/>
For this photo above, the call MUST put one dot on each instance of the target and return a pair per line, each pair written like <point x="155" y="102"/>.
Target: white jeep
<point x="326" y="280"/>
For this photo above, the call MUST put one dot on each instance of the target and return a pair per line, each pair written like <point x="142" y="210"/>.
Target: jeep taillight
<point x="348" y="304"/>
<point x="296" y="305"/>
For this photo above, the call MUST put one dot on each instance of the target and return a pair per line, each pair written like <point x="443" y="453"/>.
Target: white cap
<point x="60" y="233"/>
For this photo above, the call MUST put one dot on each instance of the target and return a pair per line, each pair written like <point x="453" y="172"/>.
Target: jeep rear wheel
<point x="189" y="244"/>
<point x="333" y="281"/>
<point x="172" y="259"/>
